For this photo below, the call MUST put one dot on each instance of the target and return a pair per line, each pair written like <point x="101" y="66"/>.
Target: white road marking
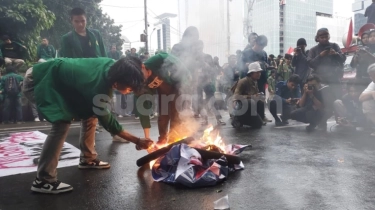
<point x="301" y="125"/>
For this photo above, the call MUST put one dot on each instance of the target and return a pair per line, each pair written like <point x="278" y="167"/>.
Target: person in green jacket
<point x="10" y="87"/>
<point x="64" y="89"/>
<point x="114" y="53"/>
<point x="45" y="51"/>
<point x="285" y="69"/>
<point x="82" y="42"/>
<point x="165" y="74"/>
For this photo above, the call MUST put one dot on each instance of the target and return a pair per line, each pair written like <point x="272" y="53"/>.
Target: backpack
<point x="12" y="87"/>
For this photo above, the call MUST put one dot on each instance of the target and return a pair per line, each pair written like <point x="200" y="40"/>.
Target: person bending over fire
<point x="81" y="88"/>
<point x="165" y="75"/>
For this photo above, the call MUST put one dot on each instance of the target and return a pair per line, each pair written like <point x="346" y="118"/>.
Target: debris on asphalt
<point x="222" y="203"/>
<point x="219" y="191"/>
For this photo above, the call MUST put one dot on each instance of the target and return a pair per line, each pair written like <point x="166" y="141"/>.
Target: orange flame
<point x="208" y="140"/>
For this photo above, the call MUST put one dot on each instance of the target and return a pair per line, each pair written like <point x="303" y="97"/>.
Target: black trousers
<point x="308" y="115"/>
<point x="286" y="110"/>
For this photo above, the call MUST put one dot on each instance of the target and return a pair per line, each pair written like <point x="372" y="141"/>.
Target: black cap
<point x="301" y="41"/>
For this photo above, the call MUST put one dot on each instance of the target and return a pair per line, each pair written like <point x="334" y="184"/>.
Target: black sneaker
<point x="50" y="188"/>
<point x="95" y="164"/>
<point x="310" y="128"/>
<point x="280" y="123"/>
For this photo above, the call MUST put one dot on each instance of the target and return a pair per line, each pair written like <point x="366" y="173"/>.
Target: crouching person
<point x="288" y="94"/>
<point x="367" y="98"/>
<point x="64" y="89"/>
<point x="348" y="111"/>
<point x="248" y="103"/>
<point x="313" y="109"/>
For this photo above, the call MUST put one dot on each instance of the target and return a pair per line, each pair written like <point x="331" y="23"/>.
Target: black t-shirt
<point x="11" y="50"/>
<point x="370" y="13"/>
<point x="88" y="48"/>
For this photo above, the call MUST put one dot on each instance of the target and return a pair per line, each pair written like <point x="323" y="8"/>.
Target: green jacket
<point x="75" y="88"/>
<point x="169" y="69"/>
<point x="71" y="46"/>
<point x="285" y="71"/>
<point x="46" y="52"/>
<point x="4" y="78"/>
<point x="271" y="84"/>
<point x="114" y="56"/>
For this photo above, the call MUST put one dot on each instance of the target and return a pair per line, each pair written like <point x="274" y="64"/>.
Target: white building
<point x="211" y="18"/>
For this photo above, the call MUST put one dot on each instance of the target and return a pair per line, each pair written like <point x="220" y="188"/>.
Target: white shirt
<point x="369" y="106"/>
<point x="370" y="88"/>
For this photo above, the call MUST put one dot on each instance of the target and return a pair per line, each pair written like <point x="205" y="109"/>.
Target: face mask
<point x="155" y="83"/>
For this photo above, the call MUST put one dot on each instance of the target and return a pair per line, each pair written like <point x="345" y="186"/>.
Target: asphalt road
<point x="286" y="169"/>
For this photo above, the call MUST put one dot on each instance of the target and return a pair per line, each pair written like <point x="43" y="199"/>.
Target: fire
<point x="211" y="141"/>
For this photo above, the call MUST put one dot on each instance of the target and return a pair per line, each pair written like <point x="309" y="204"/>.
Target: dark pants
<point x="253" y="116"/>
<point x="286" y="109"/>
<point x="308" y="115"/>
<point x="168" y="114"/>
<point x="12" y="106"/>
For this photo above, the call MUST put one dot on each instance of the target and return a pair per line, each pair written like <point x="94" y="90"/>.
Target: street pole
<point x="146" y="26"/>
<point x="228" y="27"/>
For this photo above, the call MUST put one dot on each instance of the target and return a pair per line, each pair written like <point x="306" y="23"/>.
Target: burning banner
<point x="194" y="163"/>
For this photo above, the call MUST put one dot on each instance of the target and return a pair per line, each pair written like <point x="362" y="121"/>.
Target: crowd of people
<point x="81" y="80"/>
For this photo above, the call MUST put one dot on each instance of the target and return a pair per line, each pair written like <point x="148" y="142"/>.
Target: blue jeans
<point x="12" y="106"/>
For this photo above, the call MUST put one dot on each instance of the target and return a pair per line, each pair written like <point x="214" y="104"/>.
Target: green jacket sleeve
<point x="103" y="52"/>
<point x="144" y="119"/>
<point x="53" y="51"/>
<point x="38" y="52"/>
<point x="109" y="123"/>
<point x="64" y="50"/>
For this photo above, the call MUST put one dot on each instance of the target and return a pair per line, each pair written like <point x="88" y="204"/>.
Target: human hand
<point x="324" y="53"/>
<point x="332" y="52"/>
<point x="289" y="101"/>
<point x="144" y="143"/>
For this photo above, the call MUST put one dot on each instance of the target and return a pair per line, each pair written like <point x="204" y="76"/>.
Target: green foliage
<point x="95" y="19"/>
<point x="23" y="20"/>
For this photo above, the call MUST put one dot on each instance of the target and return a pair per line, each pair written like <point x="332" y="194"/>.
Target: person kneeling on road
<point x="367" y="98"/>
<point x="247" y="90"/>
<point x="287" y="95"/>
<point x="82" y="88"/>
<point x="348" y="111"/>
<point x="312" y="108"/>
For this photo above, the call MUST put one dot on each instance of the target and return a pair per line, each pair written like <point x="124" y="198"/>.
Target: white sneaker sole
<point x="34" y="189"/>
<point x="94" y="167"/>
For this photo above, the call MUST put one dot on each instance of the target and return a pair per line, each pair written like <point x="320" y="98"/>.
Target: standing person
<point x="114" y="53"/>
<point x="71" y="99"/>
<point x="230" y="76"/>
<point x="45" y="51"/>
<point x="251" y="39"/>
<point x="370" y="13"/>
<point x="82" y="42"/>
<point x="12" y="52"/>
<point x="257" y="54"/>
<point x="299" y="61"/>
<point x="327" y="61"/>
<point x="272" y="83"/>
<point x="10" y="87"/>
<point x="285" y="69"/>
<point x="271" y="61"/>
<point x="133" y="53"/>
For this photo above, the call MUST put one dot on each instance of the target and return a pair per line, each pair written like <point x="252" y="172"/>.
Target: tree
<point x="95" y="19"/>
<point x="23" y="20"/>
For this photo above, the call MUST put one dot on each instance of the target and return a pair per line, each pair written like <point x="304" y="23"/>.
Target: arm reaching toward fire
<point x="143" y="143"/>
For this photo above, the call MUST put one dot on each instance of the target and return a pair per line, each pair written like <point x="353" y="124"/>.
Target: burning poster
<point x="19" y="152"/>
<point x="186" y="166"/>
